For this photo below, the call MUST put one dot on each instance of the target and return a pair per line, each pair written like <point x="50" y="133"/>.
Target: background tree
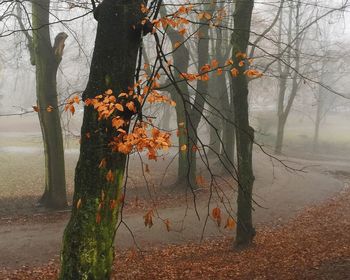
<point x="46" y="58"/>
<point x="244" y="132"/>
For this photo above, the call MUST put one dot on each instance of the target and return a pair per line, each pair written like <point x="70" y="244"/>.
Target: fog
<point x="298" y="107"/>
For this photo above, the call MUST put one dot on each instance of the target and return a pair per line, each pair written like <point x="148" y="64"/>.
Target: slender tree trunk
<point x="283" y="111"/>
<point x="47" y="59"/>
<point x="229" y="141"/>
<point x="320" y="108"/>
<point x="195" y="113"/>
<point x="215" y="132"/>
<point x="180" y="94"/>
<point x="166" y="118"/>
<point x="88" y="250"/>
<point x="280" y="134"/>
<point x="244" y="132"/>
<point x="317" y="128"/>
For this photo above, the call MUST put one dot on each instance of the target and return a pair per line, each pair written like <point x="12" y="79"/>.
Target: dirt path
<point x="282" y="193"/>
<point x="314" y="245"/>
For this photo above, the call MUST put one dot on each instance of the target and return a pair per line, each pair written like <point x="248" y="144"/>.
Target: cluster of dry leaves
<point x="315" y="245"/>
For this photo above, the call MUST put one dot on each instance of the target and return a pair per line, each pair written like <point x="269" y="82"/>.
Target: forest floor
<point x="314" y="245"/>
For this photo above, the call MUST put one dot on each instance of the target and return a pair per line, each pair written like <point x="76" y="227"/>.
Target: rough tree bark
<point x="46" y="59"/>
<point x="88" y="250"/>
<point x="244" y="132"/>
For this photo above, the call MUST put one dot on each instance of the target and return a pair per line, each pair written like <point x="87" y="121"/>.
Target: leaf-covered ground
<point x="315" y="245"/>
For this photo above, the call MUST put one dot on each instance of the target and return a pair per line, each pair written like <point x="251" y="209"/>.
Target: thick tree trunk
<point x="88" y="250"/>
<point x="244" y="133"/>
<point x="47" y="59"/>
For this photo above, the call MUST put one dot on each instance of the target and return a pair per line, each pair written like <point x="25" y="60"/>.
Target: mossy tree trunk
<point x="46" y="59"/>
<point x="88" y="250"/>
<point x="244" y="132"/>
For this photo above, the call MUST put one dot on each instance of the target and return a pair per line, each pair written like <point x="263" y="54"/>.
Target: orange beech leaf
<point x="176" y="45"/>
<point x="119" y="107"/>
<point x="229" y="62"/>
<point x="79" y="203"/>
<point x="204" y="15"/>
<point x="112" y="204"/>
<point x="216" y="213"/>
<point x="182" y="31"/>
<point x="72" y="109"/>
<point x="167" y="224"/>
<point x="121" y="131"/>
<point x="131" y="106"/>
<point x="251" y="73"/>
<point x="117" y="122"/>
<point x="205" y="77"/>
<point x="49" y="109"/>
<point x="241" y="55"/>
<point x="123" y="94"/>
<point x="241" y="63"/>
<point x="183" y="20"/>
<point x="207" y="16"/>
<point x="109" y="92"/>
<point x="200" y="180"/>
<point x="35" y="108"/>
<point x="144" y="9"/>
<point x="214" y="63"/>
<point x="230" y="223"/>
<point x="234" y="72"/>
<point x="182" y="10"/>
<point x="219" y="71"/>
<point x="76" y="99"/>
<point x="110" y="176"/>
<point x="148" y="218"/>
<point x="152" y="156"/>
<point x="205" y="68"/>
